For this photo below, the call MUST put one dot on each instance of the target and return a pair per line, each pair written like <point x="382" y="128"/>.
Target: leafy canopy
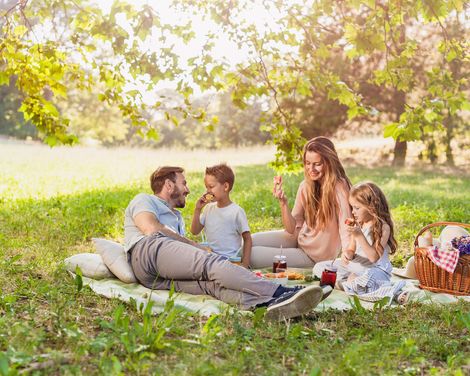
<point x="55" y="48"/>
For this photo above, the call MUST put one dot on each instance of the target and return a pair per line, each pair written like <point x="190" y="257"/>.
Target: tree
<point x="235" y="127"/>
<point x="55" y="48"/>
<point x="294" y="59"/>
<point x="92" y="119"/>
<point x="290" y="62"/>
<point x="11" y="121"/>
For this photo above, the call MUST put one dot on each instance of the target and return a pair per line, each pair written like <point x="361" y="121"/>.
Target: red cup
<point x="328" y="277"/>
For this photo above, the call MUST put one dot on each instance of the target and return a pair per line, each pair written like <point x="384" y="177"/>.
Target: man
<point x="160" y="254"/>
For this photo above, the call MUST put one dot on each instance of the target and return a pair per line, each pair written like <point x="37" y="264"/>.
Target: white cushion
<point x="115" y="258"/>
<point x="91" y="265"/>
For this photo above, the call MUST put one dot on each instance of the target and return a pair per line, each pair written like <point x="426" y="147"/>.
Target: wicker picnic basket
<point x="436" y="279"/>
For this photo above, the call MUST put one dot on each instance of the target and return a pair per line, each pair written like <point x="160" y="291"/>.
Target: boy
<point x="224" y="222"/>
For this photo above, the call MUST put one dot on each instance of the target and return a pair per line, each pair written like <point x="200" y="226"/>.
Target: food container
<point x="279" y="262"/>
<point x="328" y="277"/>
<point x="435" y="279"/>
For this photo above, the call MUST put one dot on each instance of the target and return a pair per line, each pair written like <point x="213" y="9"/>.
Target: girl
<point x="365" y="266"/>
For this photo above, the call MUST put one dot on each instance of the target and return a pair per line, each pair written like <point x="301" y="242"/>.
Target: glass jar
<point x="279" y="262"/>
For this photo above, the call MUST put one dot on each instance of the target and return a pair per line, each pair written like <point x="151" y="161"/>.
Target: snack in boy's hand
<point x="350" y="221"/>
<point x="208" y="197"/>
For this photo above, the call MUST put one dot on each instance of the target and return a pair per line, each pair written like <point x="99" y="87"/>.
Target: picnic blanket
<point x="206" y="305"/>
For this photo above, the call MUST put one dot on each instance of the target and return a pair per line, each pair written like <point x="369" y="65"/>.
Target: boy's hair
<point x="372" y="197"/>
<point x="223" y="174"/>
<point x="158" y="177"/>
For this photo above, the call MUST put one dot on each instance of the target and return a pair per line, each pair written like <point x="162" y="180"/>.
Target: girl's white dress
<point x="373" y="279"/>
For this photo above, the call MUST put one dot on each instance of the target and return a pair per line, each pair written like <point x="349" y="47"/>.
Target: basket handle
<point x="465" y="225"/>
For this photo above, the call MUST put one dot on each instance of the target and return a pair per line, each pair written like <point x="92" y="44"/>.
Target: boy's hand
<point x="204" y="200"/>
<point x="205" y="248"/>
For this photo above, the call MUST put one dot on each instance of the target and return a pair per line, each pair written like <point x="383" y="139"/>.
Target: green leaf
<point x="315" y="372"/>
<point x="451" y="55"/>
<point x="4" y="366"/>
<point x="20" y="30"/>
<point x="4" y="78"/>
<point x="152" y="134"/>
<point x="78" y="278"/>
<point x="465" y="106"/>
<point x="390" y="129"/>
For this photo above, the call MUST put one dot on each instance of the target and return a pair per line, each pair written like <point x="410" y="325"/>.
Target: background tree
<point x="234" y="127"/>
<point x="63" y="47"/>
<point x="293" y="60"/>
<point x="11" y="121"/>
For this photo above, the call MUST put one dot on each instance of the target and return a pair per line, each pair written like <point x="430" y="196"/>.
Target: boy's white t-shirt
<point x="224" y="228"/>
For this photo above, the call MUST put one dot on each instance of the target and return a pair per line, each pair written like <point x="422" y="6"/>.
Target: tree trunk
<point x="399" y="153"/>
<point x="449" y="125"/>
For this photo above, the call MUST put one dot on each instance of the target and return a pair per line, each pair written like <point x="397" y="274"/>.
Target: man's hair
<point x="223" y="174"/>
<point x="157" y="179"/>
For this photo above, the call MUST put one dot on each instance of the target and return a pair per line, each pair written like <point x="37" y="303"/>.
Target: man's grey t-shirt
<point x="149" y="203"/>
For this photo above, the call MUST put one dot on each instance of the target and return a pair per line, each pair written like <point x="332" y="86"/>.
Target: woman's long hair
<point x="321" y="203"/>
<point x="372" y="197"/>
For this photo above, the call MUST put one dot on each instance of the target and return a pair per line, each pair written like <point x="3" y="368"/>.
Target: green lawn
<point x="51" y="207"/>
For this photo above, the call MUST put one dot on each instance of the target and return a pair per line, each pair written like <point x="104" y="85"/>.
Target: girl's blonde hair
<point x="321" y="203"/>
<point x="373" y="199"/>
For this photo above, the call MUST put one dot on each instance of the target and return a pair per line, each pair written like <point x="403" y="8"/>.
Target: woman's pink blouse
<point x="324" y="244"/>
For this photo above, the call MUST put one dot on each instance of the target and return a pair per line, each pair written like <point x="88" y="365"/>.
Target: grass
<point x="53" y="201"/>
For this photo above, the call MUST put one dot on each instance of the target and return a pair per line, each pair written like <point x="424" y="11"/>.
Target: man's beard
<point x="178" y="198"/>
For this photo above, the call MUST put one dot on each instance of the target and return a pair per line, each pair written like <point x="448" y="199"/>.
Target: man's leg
<point x="156" y="258"/>
<point x="213" y="275"/>
<point x="180" y="261"/>
<point x="212" y="288"/>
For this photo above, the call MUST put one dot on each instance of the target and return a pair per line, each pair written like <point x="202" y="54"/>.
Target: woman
<point x="315" y="230"/>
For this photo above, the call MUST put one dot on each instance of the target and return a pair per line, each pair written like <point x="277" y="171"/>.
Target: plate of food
<point x="290" y="275"/>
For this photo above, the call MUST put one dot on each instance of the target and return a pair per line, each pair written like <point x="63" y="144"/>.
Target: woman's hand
<point x="277" y="189"/>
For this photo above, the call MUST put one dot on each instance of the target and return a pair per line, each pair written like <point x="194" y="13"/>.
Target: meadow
<point x="52" y="201"/>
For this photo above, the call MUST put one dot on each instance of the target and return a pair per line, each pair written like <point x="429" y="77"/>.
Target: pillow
<point x="115" y="258"/>
<point x="91" y="264"/>
<point x="451" y="232"/>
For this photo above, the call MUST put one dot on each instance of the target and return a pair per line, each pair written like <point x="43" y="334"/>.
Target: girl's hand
<point x="347" y="256"/>
<point x="344" y="259"/>
<point x="355" y="231"/>
<point x="277" y="189"/>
